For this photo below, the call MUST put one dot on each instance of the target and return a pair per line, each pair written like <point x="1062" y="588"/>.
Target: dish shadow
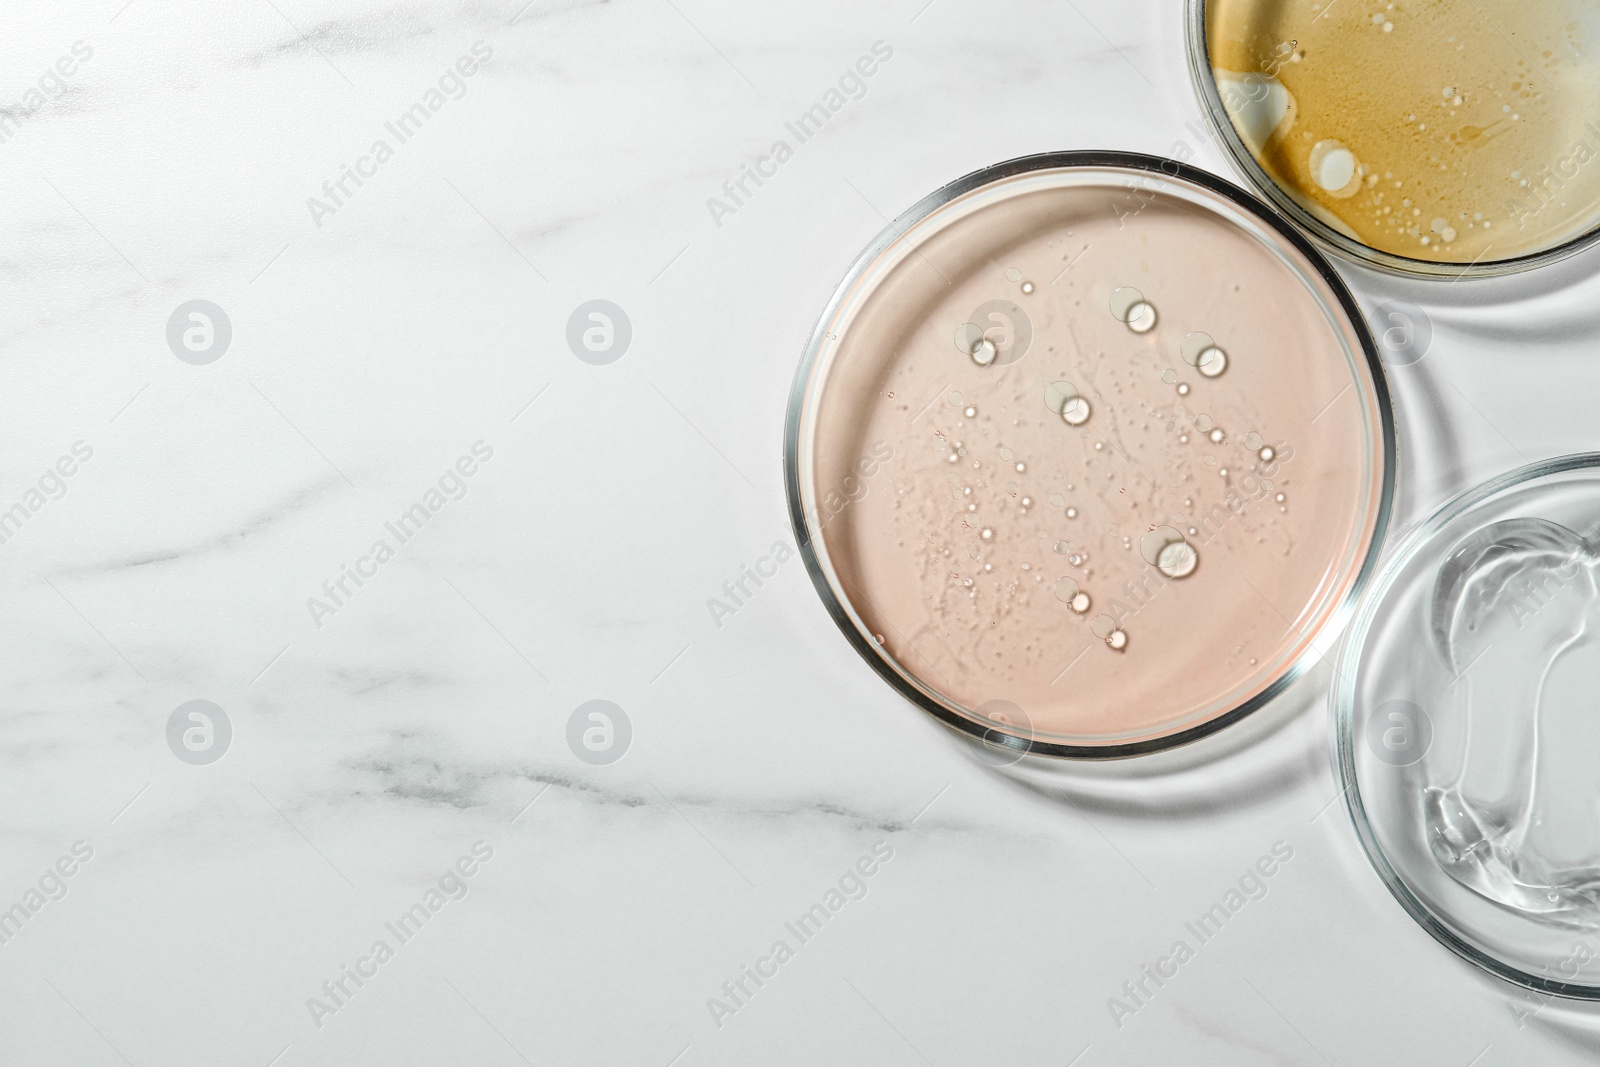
<point x="1547" y="305"/>
<point x="1432" y="463"/>
<point x="1573" y="272"/>
<point x="1251" y="763"/>
<point x="1572" y="1023"/>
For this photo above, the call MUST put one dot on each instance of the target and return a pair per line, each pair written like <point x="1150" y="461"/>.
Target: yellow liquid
<point x="1453" y="131"/>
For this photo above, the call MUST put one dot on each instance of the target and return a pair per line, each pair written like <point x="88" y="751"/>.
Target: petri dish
<point x="1465" y="729"/>
<point x="1425" y="139"/>
<point x="1089" y="454"/>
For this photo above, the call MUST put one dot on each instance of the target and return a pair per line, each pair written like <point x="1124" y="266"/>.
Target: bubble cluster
<point x="1486" y="135"/>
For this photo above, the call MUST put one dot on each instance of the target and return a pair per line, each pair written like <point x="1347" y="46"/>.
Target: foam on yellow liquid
<point x="1454" y="131"/>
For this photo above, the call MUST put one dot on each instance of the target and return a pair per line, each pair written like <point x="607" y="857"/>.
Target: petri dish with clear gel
<point x="1424" y="139"/>
<point x="1465" y="725"/>
<point x="1089" y="454"/>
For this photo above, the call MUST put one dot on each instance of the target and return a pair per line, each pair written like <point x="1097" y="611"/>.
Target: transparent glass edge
<point x="1259" y="182"/>
<point x="1348" y="670"/>
<point x="814" y="554"/>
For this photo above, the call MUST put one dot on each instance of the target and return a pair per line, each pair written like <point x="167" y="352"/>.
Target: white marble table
<point x="377" y="741"/>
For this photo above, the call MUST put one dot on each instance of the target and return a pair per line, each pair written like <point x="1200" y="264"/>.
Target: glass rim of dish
<point x="1343" y="696"/>
<point x="800" y="417"/>
<point x="1244" y="163"/>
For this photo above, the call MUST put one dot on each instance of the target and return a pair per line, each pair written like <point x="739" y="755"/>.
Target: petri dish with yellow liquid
<point x="1425" y="137"/>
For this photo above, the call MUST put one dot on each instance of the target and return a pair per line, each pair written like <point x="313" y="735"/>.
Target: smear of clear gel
<point x="1510" y="799"/>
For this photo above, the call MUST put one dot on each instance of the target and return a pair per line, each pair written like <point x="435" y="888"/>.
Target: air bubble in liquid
<point x="1202" y="353"/>
<point x="1066" y="589"/>
<point x="1059" y="395"/>
<point x="1129" y="306"/>
<point x="1165" y="549"/>
<point x="1334" y="168"/>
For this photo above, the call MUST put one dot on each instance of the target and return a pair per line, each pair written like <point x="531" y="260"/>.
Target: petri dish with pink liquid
<point x="1090" y="454"/>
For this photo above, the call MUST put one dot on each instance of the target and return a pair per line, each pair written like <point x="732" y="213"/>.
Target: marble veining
<point x="436" y="709"/>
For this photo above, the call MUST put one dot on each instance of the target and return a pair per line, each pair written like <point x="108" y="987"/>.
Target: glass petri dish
<point x="1425" y="139"/>
<point x="1089" y="453"/>
<point x="1465" y="729"/>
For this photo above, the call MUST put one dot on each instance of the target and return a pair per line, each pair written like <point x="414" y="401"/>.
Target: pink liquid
<point x="943" y="486"/>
